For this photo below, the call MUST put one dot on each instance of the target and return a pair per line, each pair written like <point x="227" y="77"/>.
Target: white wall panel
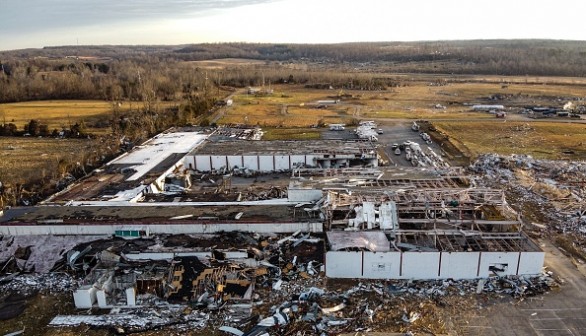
<point x="304" y="195"/>
<point x="531" y="262"/>
<point x="219" y="161"/>
<point x="202" y="163"/>
<point x="425" y="265"/>
<point x="510" y="259"/>
<point x="84" y="297"/>
<point x="282" y="162"/>
<point x="459" y="265"/>
<point x="266" y="163"/>
<point x="251" y="162"/>
<point x="420" y="265"/>
<point x="297" y="160"/>
<point x="346" y="265"/>
<point x="381" y="265"/>
<point x="189" y="160"/>
<point x="234" y="160"/>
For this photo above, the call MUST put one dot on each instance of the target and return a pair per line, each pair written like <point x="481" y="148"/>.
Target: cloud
<point x="37" y="15"/>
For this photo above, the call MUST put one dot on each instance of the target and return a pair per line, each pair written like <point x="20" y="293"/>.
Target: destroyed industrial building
<point x="291" y="210"/>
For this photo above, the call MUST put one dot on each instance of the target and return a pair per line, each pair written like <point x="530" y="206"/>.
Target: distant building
<point x="487" y="107"/>
<point x="327" y="102"/>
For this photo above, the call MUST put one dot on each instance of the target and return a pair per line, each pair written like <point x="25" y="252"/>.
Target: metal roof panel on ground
<point x="375" y="241"/>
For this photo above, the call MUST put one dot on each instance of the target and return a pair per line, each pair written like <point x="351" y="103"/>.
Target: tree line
<point x="503" y="57"/>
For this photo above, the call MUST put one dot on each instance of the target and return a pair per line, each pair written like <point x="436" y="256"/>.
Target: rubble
<point x="555" y="189"/>
<point x="240" y="132"/>
<point x="367" y="130"/>
<point x="290" y="294"/>
<point x="27" y="284"/>
<point x="269" y="284"/>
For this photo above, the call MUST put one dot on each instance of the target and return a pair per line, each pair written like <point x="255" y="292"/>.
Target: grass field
<point x="61" y="113"/>
<point x="224" y="62"/>
<point x="287" y="106"/>
<point x="549" y="140"/>
<point x="56" y="113"/>
<point x="419" y="98"/>
<point x="27" y="159"/>
<point x="291" y="134"/>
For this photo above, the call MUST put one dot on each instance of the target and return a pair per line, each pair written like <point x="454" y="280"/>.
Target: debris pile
<point x="370" y="305"/>
<point x="367" y="130"/>
<point x="273" y="285"/>
<point x="124" y="321"/>
<point x="423" y="157"/>
<point x="27" y="284"/>
<point x="555" y="190"/>
<point x="240" y="132"/>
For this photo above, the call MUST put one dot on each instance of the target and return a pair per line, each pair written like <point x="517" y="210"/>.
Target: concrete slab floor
<point x="559" y="313"/>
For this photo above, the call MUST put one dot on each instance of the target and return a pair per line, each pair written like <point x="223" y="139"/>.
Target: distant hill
<point x="502" y="57"/>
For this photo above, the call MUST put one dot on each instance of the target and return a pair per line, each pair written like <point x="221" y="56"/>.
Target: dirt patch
<point x="40" y="309"/>
<point x="457" y="153"/>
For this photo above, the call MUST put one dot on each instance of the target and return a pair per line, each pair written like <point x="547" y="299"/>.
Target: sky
<point x="39" y="23"/>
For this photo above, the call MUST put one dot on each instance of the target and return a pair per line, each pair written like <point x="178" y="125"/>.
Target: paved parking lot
<point x="392" y="134"/>
<point x="561" y="312"/>
<point x="398" y="134"/>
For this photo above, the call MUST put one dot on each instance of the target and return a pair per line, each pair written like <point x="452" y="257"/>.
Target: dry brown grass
<point x="222" y="63"/>
<point x="417" y="100"/>
<point x="58" y="114"/>
<point x="28" y="159"/>
<point x="291" y="134"/>
<point x="287" y="106"/>
<point x="539" y="139"/>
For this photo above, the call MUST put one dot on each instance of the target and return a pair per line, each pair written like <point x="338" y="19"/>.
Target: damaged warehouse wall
<point x="431" y="265"/>
<point x="459" y="263"/>
<point x="263" y="163"/>
<point x="421" y="265"/>
<point x="189" y="228"/>
<point x="280" y="155"/>
<point x="380" y="265"/>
